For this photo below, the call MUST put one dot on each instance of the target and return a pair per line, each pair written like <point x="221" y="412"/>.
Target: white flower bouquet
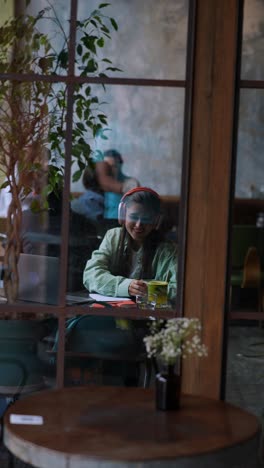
<point x="174" y="338"/>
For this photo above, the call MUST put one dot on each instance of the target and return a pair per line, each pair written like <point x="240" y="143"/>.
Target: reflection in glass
<point x="103" y="350"/>
<point x="30" y="164"/>
<point x="25" y="365"/>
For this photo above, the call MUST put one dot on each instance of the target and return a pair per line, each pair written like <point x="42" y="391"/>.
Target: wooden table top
<point x="121" y="424"/>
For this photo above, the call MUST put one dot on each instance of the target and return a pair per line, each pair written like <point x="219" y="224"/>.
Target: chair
<point x="252" y="274"/>
<point x="252" y="269"/>
<point x="84" y="238"/>
<point x="22" y="375"/>
<point x="8" y="400"/>
<point x="252" y="278"/>
<point x="97" y="343"/>
<point x="118" y="352"/>
<point x="244" y="237"/>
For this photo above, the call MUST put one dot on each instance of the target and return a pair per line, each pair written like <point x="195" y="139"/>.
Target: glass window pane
<point x="31" y="157"/>
<point x="145" y="124"/>
<point x="145" y="134"/>
<point x="115" y="355"/>
<point x="25" y="364"/>
<point x="253" y="41"/>
<point x="250" y="162"/>
<point x="248" y="208"/>
<point x="149" y="43"/>
<point x="54" y="24"/>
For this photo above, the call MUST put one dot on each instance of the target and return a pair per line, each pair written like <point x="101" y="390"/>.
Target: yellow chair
<point x="252" y="275"/>
<point x="252" y="278"/>
<point x="246" y="269"/>
<point x="243" y="237"/>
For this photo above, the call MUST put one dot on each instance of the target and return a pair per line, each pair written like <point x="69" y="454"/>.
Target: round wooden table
<point x="100" y="426"/>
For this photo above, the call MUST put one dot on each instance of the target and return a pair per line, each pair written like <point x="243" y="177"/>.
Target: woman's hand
<point x="137" y="288"/>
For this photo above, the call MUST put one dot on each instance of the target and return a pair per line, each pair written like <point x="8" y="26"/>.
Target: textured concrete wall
<point x="146" y="123"/>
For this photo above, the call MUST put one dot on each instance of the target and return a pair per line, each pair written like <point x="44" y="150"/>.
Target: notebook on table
<point x="39" y="281"/>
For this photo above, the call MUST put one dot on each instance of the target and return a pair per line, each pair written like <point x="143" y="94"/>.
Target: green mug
<point x="160" y="290"/>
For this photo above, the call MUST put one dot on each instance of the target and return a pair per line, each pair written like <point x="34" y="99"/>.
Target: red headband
<point x="140" y="189"/>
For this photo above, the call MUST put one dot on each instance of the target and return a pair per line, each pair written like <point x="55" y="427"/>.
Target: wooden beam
<point x="210" y="176"/>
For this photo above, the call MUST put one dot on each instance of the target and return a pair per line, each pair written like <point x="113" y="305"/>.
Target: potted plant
<point x="170" y="340"/>
<point x="33" y="113"/>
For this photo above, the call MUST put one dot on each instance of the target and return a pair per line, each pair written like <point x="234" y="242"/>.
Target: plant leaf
<point x="114" y="24"/>
<point x="103" y="5"/>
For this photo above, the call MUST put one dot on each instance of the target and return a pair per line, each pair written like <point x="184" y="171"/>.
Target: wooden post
<point x="209" y="186"/>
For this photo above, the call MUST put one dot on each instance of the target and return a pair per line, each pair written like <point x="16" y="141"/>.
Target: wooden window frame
<point x="61" y="311"/>
<point x="208" y="172"/>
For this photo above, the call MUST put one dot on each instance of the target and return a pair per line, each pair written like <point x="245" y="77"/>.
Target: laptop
<point x="39" y="281"/>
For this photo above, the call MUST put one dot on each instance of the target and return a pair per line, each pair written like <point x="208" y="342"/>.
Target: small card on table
<point x="25" y="419"/>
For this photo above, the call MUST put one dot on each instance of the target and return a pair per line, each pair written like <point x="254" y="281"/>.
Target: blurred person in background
<point x="114" y="183"/>
<point x="91" y="202"/>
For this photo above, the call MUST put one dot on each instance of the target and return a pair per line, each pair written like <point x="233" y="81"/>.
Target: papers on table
<point x="101" y="298"/>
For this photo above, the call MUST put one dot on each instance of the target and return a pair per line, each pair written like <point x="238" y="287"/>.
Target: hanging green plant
<point x="33" y="113"/>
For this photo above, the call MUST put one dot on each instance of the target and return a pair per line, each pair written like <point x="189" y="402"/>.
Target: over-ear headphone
<point x="122" y="204"/>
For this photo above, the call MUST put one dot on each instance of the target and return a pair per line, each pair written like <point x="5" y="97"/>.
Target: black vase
<point x="168" y="390"/>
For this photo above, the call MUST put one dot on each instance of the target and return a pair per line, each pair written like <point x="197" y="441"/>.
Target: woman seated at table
<point x="134" y="252"/>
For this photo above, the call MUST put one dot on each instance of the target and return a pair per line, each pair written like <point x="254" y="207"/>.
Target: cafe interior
<point x="177" y="90"/>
